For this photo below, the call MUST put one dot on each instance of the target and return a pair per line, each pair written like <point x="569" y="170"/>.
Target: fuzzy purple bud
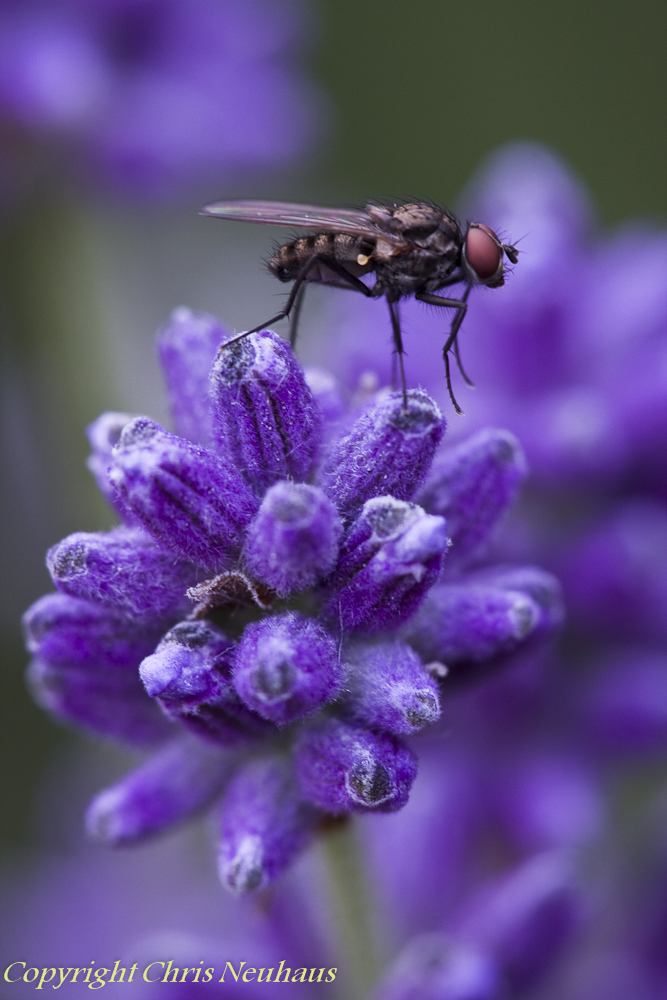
<point x="294" y="537"/>
<point x="286" y="667"/>
<point x="264" y="414"/>
<point x="189" y="499"/>
<point x="539" y="585"/>
<point x="389" y="559"/>
<point x="343" y="768"/>
<point x="190" y="676"/>
<point x="180" y="780"/>
<point x="387" y="688"/>
<point x="265" y="822"/>
<point x="124" y="569"/>
<point x="388" y="450"/>
<point x="472" y="485"/>
<point x="437" y="967"/>
<point x="104" y="434"/>
<point x="186" y="347"/>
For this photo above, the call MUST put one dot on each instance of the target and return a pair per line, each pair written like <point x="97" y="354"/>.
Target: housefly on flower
<point x="415" y="249"/>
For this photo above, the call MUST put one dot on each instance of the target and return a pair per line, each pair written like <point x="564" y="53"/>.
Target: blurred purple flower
<point x="153" y="96"/>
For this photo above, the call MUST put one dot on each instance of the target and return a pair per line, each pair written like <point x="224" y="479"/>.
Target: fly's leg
<point x="461" y="306"/>
<point x="398" y="342"/>
<point x="296" y="315"/>
<point x="350" y="281"/>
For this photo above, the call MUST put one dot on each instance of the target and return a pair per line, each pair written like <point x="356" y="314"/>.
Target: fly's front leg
<point x="461" y="306"/>
<point x="398" y="341"/>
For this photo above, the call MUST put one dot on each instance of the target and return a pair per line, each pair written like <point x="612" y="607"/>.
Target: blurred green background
<point x="419" y="94"/>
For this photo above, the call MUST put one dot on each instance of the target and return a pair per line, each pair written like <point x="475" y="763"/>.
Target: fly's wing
<point x="281" y="213"/>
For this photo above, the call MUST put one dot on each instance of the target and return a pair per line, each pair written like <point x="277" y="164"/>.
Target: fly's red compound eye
<point x="483" y="251"/>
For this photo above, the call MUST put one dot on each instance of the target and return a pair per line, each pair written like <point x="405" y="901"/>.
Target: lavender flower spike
<point x="190" y="500"/>
<point x="124" y="569"/>
<point x="344" y="768"/>
<point x="389" y="559"/>
<point x="387" y="688"/>
<point x="265" y="822"/>
<point x="286" y="667"/>
<point x="438" y="967"/>
<point x="294" y="537"/>
<point x="388" y="450"/>
<point x="264" y="415"/>
<point x="472" y="485"/>
<point x="172" y="785"/>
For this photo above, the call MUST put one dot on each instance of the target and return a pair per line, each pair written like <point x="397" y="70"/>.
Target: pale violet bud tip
<point x="104" y="434"/>
<point x="438" y="967"/>
<point x="294" y="538"/>
<point x="389" y="559"/>
<point x="542" y="587"/>
<point x="190" y="500"/>
<point x="265" y="823"/>
<point x="264" y="415"/>
<point x="387" y="688"/>
<point x="178" y="781"/>
<point x="471" y="622"/>
<point x="186" y="346"/>
<point x="124" y="569"/>
<point x="326" y="393"/>
<point x="286" y="667"/>
<point x="343" y="768"/>
<point x="387" y="451"/>
<point x="472" y="485"/>
<point x="190" y="676"/>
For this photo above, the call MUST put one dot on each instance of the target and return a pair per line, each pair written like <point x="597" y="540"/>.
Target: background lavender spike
<point x="124" y="569"/>
<point x="438" y="967"/>
<point x="189" y="499"/>
<point x="186" y="347"/>
<point x="179" y="780"/>
<point x="388" y="450"/>
<point x="264" y="414"/>
<point x="265" y="822"/>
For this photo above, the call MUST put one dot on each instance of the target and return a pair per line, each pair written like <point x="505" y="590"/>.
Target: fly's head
<point x="483" y="256"/>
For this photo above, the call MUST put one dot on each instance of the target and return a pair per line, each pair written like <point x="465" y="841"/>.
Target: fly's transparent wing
<point x="282" y="213"/>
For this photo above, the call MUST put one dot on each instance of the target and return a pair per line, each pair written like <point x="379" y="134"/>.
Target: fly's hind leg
<point x="398" y="342"/>
<point x="461" y="306"/>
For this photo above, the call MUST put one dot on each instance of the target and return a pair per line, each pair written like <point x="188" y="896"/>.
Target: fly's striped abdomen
<point x="289" y="260"/>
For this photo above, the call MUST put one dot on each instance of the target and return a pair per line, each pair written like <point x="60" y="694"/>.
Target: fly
<point x="414" y="249"/>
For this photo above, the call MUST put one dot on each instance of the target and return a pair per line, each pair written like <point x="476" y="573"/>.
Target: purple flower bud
<point x="123" y="569"/>
<point x="186" y="346"/>
<point x="387" y="688"/>
<point x="75" y="633"/>
<point x="189" y="499"/>
<point x="343" y="768"/>
<point x="472" y="484"/>
<point x="436" y="967"/>
<point x="265" y="822"/>
<point x="471" y="621"/>
<point x="327" y="395"/>
<point x="539" y="585"/>
<point x="104" y="434"/>
<point x="189" y="674"/>
<point x="181" y="779"/>
<point x="388" y="450"/>
<point x="286" y="667"/>
<point x="526" y="918"/>
<point x="389" y="559"/>
<point x="264" y="414"/>
<point x="294" y="537"/>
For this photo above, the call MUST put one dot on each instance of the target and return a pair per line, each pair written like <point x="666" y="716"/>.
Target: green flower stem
<point x="352" y="911"/>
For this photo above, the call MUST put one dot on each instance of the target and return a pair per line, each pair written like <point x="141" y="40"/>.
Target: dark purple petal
<point x="389" y="559"/>
<point x="264" y="415"/>
<point x="471" y="621"/>
<point x="189" y="675"/>
<point x="472" y="484"/>
<point x="343" y="768"/>
<point x="104" y="434"/>
<point x="265" y="823"/>
<point x="294" y="538"/>
<point x="388" y="450"/>
<point x="186" y="346"/>
<point x="124" y="569"/>
<point x="286" y="667"/>
<point x="387" y="688"/>
<point x="437" y="967"/>
<point x="189" y="499"/>
<point x="180" y="780"/>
